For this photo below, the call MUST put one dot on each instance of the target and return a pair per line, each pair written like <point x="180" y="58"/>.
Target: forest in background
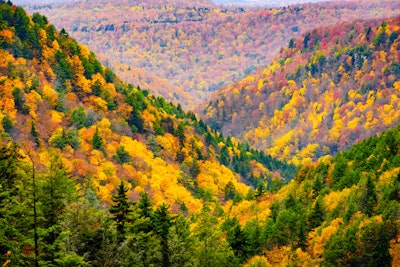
<point x="193" y="47"/>
<point x="324" y="92"/>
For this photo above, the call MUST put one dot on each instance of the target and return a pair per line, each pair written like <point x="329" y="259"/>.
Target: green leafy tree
<point x="16" y="202"/>
<point x="136" y="121"/>
<point x="180" y="133"/>
<point x="78" y="118"/>
<point x="142" y="246"/>
<point x="88" y="236"/>
<point x="254" y="238"/>
<point x="19" y="100"/>
<point x="316" y="215"/>
<point x="35" y="134"/>
<point x="237" y="240"/>
<point x="145" y="210"/>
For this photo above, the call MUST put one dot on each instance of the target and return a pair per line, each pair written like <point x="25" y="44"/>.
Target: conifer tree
<point x="7" y="124"/>
<point x="97" y="141"/>
<point x="122" y="156"/>
<point x="121" y="209"/>
<point x="162" y="221"/>
<point x="56" y="191"/>
<point x="180" y="243"/>
<point x="145" y="207"/>
<point x="369" y="198"/>
<point x="35" y="134"/>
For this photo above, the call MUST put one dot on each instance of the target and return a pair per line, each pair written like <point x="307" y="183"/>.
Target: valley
<point x="195" y="48"/>
<point x="293" y="159"/>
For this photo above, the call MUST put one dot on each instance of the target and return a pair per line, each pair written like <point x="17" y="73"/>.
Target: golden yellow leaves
<point x="6" y="35"/>
<point x="320" y="240"/>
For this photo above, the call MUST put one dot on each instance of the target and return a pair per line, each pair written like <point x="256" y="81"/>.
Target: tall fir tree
<point x="121" y="210"/>
<point x="162" y="221"/>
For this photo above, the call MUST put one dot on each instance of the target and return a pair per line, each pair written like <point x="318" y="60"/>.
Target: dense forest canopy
<point x="185" y="50"/>
<point x="98" y="172"/>
<point x="323" y="93"/>
<point x="270" y="3"/>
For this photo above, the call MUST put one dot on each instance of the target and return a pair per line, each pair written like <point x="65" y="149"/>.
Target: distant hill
<point x="196" y="46"/>
<point x="36" y="2"/>
<point x="324" y="92"/>
<point x="269" y="3"/>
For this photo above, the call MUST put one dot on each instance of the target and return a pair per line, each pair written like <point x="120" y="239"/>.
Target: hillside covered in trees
<point x="195" y="47"/>
<point x="323" y="93"/>
<point x="78" y="147"/>
<point x="341" y="211"/>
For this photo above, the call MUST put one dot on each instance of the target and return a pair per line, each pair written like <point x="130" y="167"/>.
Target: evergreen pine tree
<point x="162" y="221"/>
<point x="57" y="190"/>
<point x="316" y="216"/>
<point x="122" y="156"/>
<point x="145" y="210"/>
<point x="7" y="124"/>
<point x="35" y="134"/>
<point x="121" y="209"/>
<point x="369" y="198"/>
<point x="180" y="243"/>
<point x="97" y="141"/>
<point x="180" y="133"/>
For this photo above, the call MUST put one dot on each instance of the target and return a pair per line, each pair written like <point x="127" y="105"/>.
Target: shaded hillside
<point x="195" y="46"/>
<point x="324" y="92"/>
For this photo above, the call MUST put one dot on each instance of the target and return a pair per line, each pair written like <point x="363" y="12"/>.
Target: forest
<point x="324" y="92"/>
<point x="95" y="171"/>
<point x="195" y="47"/>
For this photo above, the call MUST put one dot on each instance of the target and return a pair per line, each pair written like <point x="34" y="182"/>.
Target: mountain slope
<point x="195" y="46"/>
<point x="325" y="91"/>
<point x="97" y="172"/>
<point x="341" y="211"/>
<point x="57" y="96"/>
<point x="98" y="159"/>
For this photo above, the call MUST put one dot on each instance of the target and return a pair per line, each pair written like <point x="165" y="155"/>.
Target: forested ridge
<point x="185" y="50"/>
<point x="98" y="172"/>
<point x="324" y="92"/>
<point x="79" y="147"/>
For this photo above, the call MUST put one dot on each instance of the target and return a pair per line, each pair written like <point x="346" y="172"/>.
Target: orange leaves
<point x="6" y="35"/>
<point x="98" y="103"/>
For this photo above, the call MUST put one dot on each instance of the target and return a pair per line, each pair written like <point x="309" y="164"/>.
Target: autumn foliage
<point x="193" y="48"/>
<point x="324" y="92"/>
